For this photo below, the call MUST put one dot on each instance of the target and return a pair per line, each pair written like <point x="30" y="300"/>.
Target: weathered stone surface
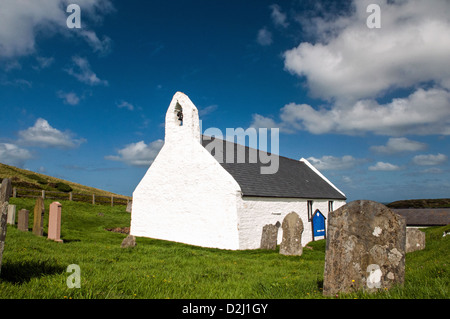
<point x="38" y="225"/>
<point x="365" y="248"/>
<point x="292" y="235"/>
<point x="129" y="242"/>
<point x="5" y="190"/>
<point x="129" y="206"/>
<point x="415" y="240"/>
<point x="11" y="220"/>
<point x="54" y="222"/>
<point x="269" y="237"/>
<point x="22" y="219"/>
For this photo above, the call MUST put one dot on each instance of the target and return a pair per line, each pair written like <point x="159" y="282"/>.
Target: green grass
<point x="34" y="267"/>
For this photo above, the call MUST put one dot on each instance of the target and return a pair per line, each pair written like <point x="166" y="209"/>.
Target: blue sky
<point x="370" y="108"/>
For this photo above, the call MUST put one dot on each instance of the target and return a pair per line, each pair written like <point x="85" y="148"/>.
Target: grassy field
<point x="34" y="267"/>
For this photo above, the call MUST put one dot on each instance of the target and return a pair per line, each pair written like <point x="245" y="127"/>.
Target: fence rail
<point x="78" y="197"/>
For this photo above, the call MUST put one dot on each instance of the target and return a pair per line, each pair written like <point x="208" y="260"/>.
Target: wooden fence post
<point x="112" y="200"/>
<point x="15" y="192"/>
<point x="93" y="199"/>
<point x="43" y="194"/>
<point x="70" y="196"/>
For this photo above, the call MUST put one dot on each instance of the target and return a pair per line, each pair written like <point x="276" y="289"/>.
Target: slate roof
<point x="424" y="216"/>
<point x="294" y="179"/>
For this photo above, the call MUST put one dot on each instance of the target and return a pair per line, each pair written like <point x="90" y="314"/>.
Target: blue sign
<point x="318" y="222"/>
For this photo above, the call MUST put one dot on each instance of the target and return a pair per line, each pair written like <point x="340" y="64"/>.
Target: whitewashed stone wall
<point x="255" y="212"/>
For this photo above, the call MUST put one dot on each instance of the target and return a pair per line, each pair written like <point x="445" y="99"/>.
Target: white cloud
<point x="126" y="105"/>
<point x="81" y="70"/>
<point x="207" y="110"/>
<point x="11" y="154"/>
<point x="264" y="37"/>
<point x="43" y="62"/>
<point x="42" y="134"/>
<point x="400" y="144"/>
<point x="103" y="47"/>
<point x="430" y="159"/>
<point x="278" y="17"/>
<point x="351" y="61"/>
<point x="335" y="163"/>
<point x="260" y="121"/>
<point x="22" y="22"/>
<point x="138" y="154"/>
<point x="424" y="112"/>
<point x="69" y="98"/>
<point x="382" y="166"/>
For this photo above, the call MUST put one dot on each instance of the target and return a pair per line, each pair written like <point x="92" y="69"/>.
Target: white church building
<point x="189" y="196"/>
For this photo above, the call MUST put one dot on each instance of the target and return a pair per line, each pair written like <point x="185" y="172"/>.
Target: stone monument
<point x="365" y="248"/>
<point x="292" y="227"/>
<point x="38" y="224"/>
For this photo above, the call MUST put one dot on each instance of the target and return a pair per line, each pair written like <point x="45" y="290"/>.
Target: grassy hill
<point x="421" y="203"/>
<point x="26" y="179"/>
<point x="35" y="267"/>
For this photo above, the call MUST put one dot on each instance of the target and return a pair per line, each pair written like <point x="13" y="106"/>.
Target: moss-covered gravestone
<point x="292" y="235"/>
<point x="38" y="224"/>
<point x="365" y="248"/>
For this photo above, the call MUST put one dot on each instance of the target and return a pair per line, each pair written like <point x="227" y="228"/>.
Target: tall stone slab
<point x="54" y="222"/>
<point x="11" y="220"/>
<point x="365" y="248"/>
<point x="269" y="237"/>
<point x="38" y="224"/>
<point x="22" y="219"/>
<point x="292" y="227"/>
<point x="5" y="192"/>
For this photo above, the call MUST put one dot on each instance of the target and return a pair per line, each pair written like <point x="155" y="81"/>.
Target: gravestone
<point x="128" y="242"/>
<point x="292" y="227"/>
<point x="38" y="224"/>
<point x="269" y="237"/>
<point x="5" y="192"/>
<point x="365" y="248"/>
<point x="415" y="240"/>
<point x="129" y="206"/>
<point x="22" y="219"/>
<point x="54" y="222"/>
<point x="11" y="214"/>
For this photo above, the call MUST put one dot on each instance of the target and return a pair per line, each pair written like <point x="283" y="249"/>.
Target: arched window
<point x="179" y="114"/>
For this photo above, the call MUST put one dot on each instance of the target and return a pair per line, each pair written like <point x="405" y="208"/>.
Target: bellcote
<point x="182" y="120"/>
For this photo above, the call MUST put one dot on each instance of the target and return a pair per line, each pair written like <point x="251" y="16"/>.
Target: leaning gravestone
<point x="415" y="240"/>
<point x="365" y="248"/>
<point x="269" y="237"/>
<point x="38" y="224"/>
<point x="5" y="192"/>
<point x="292" y="227"/>
<point x="22" y="219"/>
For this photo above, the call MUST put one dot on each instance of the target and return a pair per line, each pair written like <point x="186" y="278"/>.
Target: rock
<point x="415" y="240"/>
<point x="129" y="242"/>
<point x="269" y="237"/>
<point x="365" y="248"/>
<point x="292" y="235"/>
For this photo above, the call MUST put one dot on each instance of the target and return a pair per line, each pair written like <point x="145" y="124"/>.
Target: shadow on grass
<point x="20" y="272"/>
